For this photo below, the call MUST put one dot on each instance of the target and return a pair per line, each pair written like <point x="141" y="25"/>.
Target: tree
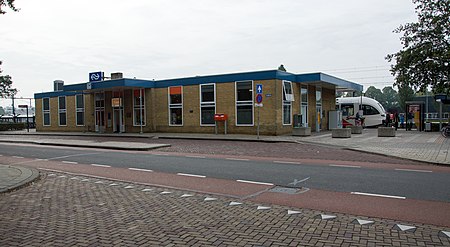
<point x="390" y="99"/>
<point x="5" y="85"/>
<point x="405" y="93"/>
<point x="424" y="60"/>
<point x="9" y="3"/>
<point x="374" y="93"/>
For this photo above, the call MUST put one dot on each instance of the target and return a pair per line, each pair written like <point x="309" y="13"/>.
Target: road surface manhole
<point x="287" y="190"/>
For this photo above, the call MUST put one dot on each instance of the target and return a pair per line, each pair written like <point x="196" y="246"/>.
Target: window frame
<point x="77" y="110"/>
<point x="244" y="103"/>
<point x="304" y="104"/>
<point x="139" y="108"/>
<point x="207" y="103"/>
<point x="62" y="110"/>
<point x="175" y="106"/>
<point x="287" y="100"/>
<point x="44" y="112"/>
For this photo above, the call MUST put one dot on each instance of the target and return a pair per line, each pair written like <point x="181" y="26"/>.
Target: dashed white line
<point x="195" y="156"/>
<point x="69" y="162"/>
<point x="18" y="157"/>
<point x="412" y="170"/>
<point x="100" y="165"/>
<point x="161" y="154"/>
<point x="378" y="195"/>
<point x="191" y="175"/>
<point x="253" y="182"/>
<point x="287" y="162"/>
<point x="139" y="169"/>
<point x="237" y="159"/>
<point x="344" y="166"/>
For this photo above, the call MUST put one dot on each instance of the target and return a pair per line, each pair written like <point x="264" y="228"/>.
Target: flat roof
<point x="196" y="80"/>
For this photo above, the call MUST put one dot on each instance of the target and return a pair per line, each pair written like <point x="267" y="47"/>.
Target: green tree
<point x="405" y="93"/>
<point x="7" y="3"/>
<point x="425" y="57"/>
<point x="390" y="99"/>
<point x="374" y="93"/>
<point x="6" y="89"/>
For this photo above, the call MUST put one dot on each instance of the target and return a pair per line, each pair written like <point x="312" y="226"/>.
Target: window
<point x="370" y="110"/>
<point x="62" y="111"/>
<point x="304" y="105"/>
<point x="46" y="111"/>
<point x="207" y="104"/>
<point x="139" y="107"/>
<point x="288" y="97"/>
<point x="79" y="105"/>
<point x="347" y="110"/>
<point x="244" y="103"/>
<point x="175" y="106"/>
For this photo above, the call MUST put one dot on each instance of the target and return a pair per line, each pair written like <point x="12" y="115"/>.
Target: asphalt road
<point x="410" y="184"/>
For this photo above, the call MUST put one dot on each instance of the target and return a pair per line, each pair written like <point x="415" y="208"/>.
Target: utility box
<point x="428" y="127"/>
<point x="334" y="120"/>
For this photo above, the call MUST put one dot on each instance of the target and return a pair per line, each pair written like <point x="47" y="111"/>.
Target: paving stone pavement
<point x="69" y="210"/>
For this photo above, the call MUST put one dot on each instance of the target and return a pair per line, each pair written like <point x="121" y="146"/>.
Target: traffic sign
<point x="259" y="88"/>
<point x="259" y="98"/>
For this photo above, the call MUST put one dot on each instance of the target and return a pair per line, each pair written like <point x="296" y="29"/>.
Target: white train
<point x="371" y="110"/>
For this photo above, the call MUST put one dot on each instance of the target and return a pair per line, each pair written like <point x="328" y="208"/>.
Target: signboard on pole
<point x="95" y="76"/>
<point x="259" y="88"/>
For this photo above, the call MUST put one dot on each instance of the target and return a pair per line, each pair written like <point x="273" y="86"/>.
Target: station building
<point x="239" y="102"/>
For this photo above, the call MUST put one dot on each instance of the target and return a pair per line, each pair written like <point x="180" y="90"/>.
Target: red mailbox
<point x="220" y="117"/>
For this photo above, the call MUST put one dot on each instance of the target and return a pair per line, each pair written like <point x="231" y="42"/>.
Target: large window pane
<point x="244" y="91"/>
<point x="46" y="104"/>
<point x="62" y="102"/>
<point x="80" y="118"/>
<point x="46" y="119"/>
<point x="287" y="112"/>
<point x="208" y="114"/>
<point x="176" y="116"/>
<point x="245" y="114"/>
<point x="62" y="118"/>
<point x="207" y="92"/>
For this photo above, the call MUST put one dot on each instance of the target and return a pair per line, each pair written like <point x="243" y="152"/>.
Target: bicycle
<point x="446" y="131"/>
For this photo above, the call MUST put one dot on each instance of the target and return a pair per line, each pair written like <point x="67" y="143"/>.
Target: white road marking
<point x="85" y="180"/>
<point x="234" y="203"/>
<point x="100" y="165"/>
<point x="345" y="166"/>
<point x="412" y="170"/>
<point x="293" y="212"/>
<point x="144" y="190"/>
<point x="287" y="162"/>
<point x="165" y="192"/>
<point x="69" y="162"/>
<point x="191" y="175"/>
<point x="262" y="208"/>
<point x="161" y="154"/>
<point x="1" y="155"/>
<point x="18" y="157"/>
<point x="129" y="187"/>
<point x="253" y="182"/>
<point x="327" y="217"/>
<point x="186" y="195"/>
<point x="237" y="159"/>
<point x="195" y="156"/>
<point x="113" y="184"/>
<point x="73" y="155"/>
<point x="363" y="222"/>
<point x="378" y="195"/>
<point x="139" y="169"/>
<point x="208" y="199"/>
<point x="404" y="227"/>
<point x="99" y="182"/>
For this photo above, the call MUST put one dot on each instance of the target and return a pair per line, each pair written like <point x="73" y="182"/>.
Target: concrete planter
<point x="356" y="129"/>
<point x="301" y="131"/>
<point x="386" y="132"/>
<point x="341" y="133"/>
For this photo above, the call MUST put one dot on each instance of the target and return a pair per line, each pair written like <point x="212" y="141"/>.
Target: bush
<point x="12" y="126"/>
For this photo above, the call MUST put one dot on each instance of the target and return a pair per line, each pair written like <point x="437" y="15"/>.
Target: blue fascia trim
<point x="243" y="76"/>
<point x="54" y="94"/>
<point x="321" y="77"/>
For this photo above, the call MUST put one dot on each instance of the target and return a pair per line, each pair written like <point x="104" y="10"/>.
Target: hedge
<point x="12" y="126"/>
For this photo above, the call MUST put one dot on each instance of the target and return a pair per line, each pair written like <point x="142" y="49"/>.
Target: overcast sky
<point x="159" y="39"/>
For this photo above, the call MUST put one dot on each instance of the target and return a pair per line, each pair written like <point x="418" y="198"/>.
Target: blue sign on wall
<point x="96" y="76"/>
<point x="259" y="88"/>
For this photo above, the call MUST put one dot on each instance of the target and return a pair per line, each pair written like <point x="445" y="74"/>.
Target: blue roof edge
<point x="241" y="76"/>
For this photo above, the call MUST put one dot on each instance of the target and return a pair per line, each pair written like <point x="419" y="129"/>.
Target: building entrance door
<point x="100" y="121"/>
<point x="118" y="122"/>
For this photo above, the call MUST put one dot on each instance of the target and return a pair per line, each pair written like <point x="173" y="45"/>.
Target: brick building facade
<point x="189" y="104"/>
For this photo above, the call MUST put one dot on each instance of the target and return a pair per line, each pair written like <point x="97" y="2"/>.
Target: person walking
<point x="396" y="120"/>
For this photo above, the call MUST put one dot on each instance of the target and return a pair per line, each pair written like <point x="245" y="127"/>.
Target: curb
<point x="35" y="175"/>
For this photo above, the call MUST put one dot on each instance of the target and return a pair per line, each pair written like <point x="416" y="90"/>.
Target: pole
<point x="257" y="128"/>
<point x="13" y="109"/>
<point x="440" y="114"/>
<point x="140" y="106"/>
<point x="28" y="121"/>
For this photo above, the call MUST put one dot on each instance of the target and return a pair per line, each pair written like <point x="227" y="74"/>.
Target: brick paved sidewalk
<point x="66" y="210"/>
